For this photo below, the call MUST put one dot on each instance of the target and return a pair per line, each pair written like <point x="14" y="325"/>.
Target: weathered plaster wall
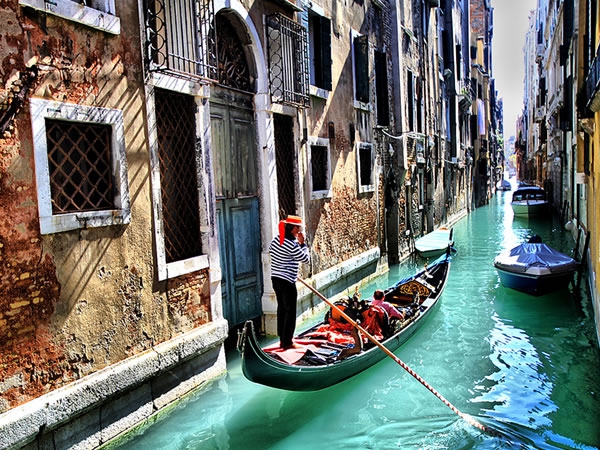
<point x="346" y="224"/>
<point x="75" y="302"/>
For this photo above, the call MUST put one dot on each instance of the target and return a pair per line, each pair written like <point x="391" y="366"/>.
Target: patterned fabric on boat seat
<point x="417" y="287"/>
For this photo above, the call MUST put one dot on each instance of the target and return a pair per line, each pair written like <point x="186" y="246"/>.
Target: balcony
<point x="465" y="98"/>
<point x="181" y="38"/>
<point x="592" y="86"/>
<point x="288" y="61"/>
<point x="540" y="114"/>
<point x="539" y="52"/>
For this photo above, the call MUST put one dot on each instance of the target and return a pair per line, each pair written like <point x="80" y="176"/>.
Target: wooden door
<point x="234" y="161"/>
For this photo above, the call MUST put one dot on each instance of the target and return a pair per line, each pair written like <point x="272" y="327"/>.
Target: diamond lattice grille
<point x="175" y="118"/>
<point x="284" y="152"/>
<point x="79" y="161"/>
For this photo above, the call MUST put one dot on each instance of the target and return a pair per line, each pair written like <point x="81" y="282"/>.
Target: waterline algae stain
<point x="526" y="366"/>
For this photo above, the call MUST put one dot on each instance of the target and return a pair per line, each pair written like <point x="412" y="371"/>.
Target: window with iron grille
<point x="181" y="38"/>
<point x="176" y="140"/>
<point x="79" y="160"/>
<point x="288" y="61"/>
<point x="285" y="158"/>
<point x="364" y="162"/>
<point x="320" y="168"/>
<point x="81" y="168"/>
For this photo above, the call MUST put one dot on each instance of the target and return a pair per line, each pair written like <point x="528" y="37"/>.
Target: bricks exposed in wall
<point x="347" y="227"/>
<point x="189" y="299"/>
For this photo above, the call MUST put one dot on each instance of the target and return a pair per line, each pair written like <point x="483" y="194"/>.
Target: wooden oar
<point x="401" y="363"/>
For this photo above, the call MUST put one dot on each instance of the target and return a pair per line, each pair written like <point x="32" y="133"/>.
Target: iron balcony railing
<point x="287" y="47"/>
<point x="592" y="84"/>
<point x="181" y="38"/>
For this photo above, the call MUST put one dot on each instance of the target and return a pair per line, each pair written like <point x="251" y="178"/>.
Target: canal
<point x="528" y="367"/>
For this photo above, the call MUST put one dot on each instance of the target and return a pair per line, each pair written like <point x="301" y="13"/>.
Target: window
<point x="360" y="59"/>
<point x="364" y="163"/>
<point x="181" y="38"/>
<point x="99" y="14"/>
<point x="381" y="89"/>
<point x="320" y="168"/>
<point x="177" y="208"/>
<point x="288" y="61"/>
<point x="320" y="50"/>
<point x="410" y="85"/>
<point x="81" y="168"/>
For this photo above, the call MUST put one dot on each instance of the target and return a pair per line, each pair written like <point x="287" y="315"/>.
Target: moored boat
<point x="333" y="351"/>
<point x="435" y="243"/>
<point x="529" y="201"/>
<point x="503" y="185"/>
<point x="534" y="268"/>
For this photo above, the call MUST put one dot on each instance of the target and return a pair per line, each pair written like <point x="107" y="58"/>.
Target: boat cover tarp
<point x="436" y="240"/>
<point x="525" y="256"/>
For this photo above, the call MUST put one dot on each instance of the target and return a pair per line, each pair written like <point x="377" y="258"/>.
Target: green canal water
<point x="526" y="367"/>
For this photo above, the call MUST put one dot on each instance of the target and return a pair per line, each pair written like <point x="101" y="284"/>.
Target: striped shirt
<point x="286" y="258"/>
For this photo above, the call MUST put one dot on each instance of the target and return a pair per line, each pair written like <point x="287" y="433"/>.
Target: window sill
<point x="319" y="92"/>
<point x="76" y="12"/>
<point x="362" y="106"/>
<point x="178" y="268"/>
<point x="366" y="189"/>
<point x="317" y="195"/>
<point x="75" y="221"/>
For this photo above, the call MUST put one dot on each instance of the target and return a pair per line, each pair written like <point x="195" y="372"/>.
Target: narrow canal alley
<point x="527" y="367"/>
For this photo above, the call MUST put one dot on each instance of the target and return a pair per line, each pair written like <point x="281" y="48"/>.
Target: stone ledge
<point x="23" y="424"/>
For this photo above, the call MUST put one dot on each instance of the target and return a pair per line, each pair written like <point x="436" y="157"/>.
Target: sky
<point x="511" y="20"/>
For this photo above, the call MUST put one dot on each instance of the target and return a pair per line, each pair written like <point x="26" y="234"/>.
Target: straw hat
<point x="289" y="220"/>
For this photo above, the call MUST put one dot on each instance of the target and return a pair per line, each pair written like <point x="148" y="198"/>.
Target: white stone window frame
<point x="100" y="14"/>
<point x="56" y="223"/>
<point x="320" y="142"/>
<point x="364" y="188"/>
<point x="166" y="270"/>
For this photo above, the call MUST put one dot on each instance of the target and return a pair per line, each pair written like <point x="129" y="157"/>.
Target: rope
<point x="469" y="419"/>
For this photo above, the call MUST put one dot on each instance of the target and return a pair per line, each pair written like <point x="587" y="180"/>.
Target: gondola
<point x="324" y="356"/>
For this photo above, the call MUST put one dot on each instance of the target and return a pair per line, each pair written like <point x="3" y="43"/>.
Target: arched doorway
<point x="234" y="156"/>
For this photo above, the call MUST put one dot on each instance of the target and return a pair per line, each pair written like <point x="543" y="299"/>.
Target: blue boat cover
<point x="524" y="256"/>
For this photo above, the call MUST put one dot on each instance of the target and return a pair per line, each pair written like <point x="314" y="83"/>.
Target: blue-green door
<point x="235" y="174"/>
<point x="240" y="259"/>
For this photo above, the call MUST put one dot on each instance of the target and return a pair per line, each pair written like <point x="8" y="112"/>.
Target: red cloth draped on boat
<point x="374" y="320"/>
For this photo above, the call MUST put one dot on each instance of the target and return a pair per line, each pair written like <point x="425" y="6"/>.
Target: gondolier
<point x="287" y="250"/>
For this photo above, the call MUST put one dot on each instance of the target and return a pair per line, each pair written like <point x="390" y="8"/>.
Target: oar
<point x="401" y="363"/>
